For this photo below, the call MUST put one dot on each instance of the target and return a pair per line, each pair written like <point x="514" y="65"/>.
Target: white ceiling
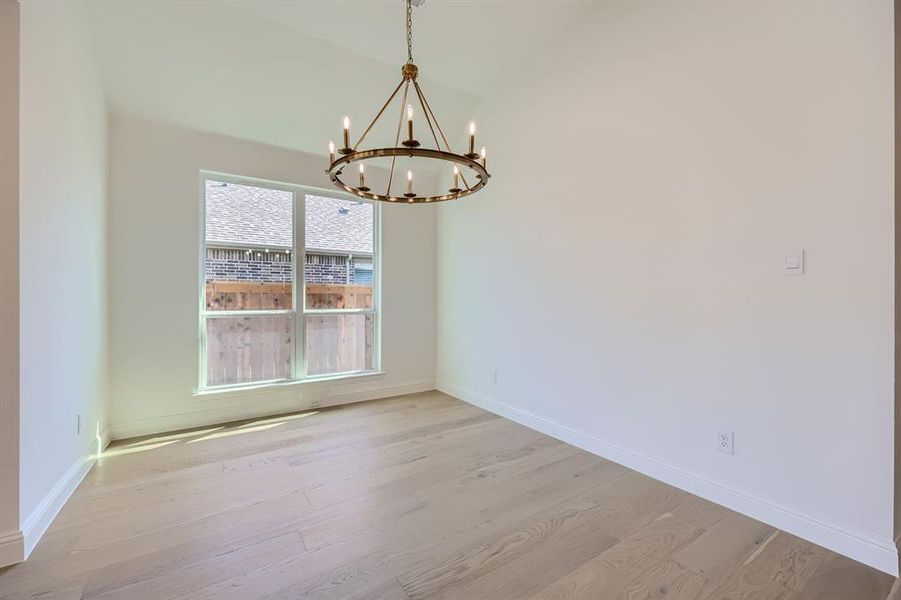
<point x="462" y="43"/>
<point x="284" y="72"/>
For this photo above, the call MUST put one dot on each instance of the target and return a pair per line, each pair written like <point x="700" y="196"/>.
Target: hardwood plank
<point x="723" y="548"/>
<point x="632" y="501"/>
<point x="779" y="569"/>
<point x="841" y="578"/>
<point x="420" y="496"/>
<point x="431" y="579"/>
<point x="670" y="581"/>
<point x="447" y="523"/>
<point x="56" y="588"/>
<point x="548" y="561"/>
<point x="626" y="566"/>
<point x="182" y="580"/>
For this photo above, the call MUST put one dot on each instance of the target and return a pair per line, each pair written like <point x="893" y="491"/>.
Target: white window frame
<point x="298" y="286"/>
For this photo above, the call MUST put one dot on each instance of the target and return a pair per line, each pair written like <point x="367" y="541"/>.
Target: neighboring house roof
<point x="334" y="224"/>
<point x="242" y="214"/>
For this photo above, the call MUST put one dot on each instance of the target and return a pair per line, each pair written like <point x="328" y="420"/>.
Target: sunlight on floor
<point x="176" y="436"/>
<point x="282" y="418"/>
<point x="239" y="431"/>
<point x="128" y="450"/>
<point x="201" y="435"/>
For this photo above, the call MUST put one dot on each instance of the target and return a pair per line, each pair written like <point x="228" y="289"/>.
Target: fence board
<point x="339" y="343"/>
<point x="258" y="348"/>
<point x="249" y="295"/>
<point x="247" y="349"/>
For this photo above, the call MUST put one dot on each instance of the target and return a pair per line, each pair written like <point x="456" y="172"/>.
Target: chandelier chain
<point x="409" y="31"/>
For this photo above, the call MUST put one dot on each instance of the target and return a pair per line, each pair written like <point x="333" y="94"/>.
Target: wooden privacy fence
<point x="339" y="343"/>
<point x="247" y="295"/>
<point x="242" y="349"/>
<point x="321" y="295"/>
<point x="251" y="295"/>
<point x="245" y="349"/>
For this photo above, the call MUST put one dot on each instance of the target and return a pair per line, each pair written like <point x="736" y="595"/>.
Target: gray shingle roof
<point x="334" y="224"/>
<point x="243" y="214"/>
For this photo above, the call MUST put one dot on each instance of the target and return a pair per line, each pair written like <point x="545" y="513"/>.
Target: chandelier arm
<point x="429" y="109"/>
<point x="378" y="116"/>
<point x="403" y="104"/>
<point x="428" y="119"/>
<point x="438" y="125"/>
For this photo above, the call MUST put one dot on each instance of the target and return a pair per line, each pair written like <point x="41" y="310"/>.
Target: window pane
<point x="248" y="349"/>
<point x="339" y="343"/>
<point x="339" y="241"/>
<point x="249" y="239"/>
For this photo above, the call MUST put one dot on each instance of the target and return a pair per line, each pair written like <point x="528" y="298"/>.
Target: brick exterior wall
<point x="324" y="268"/>
<point x="237" y="265"/>
<point x="226" y="264"/>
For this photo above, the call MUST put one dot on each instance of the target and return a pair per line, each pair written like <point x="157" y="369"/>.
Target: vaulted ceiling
<point x="284" y="73"/>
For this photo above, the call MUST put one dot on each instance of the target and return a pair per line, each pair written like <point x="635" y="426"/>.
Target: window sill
<point x="262" y="388"/>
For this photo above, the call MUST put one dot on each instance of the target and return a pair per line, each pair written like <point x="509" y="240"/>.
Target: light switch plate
<point x="793" y="263"/>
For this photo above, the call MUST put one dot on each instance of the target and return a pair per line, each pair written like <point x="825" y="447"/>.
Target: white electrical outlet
<point x="492" y="376"/>
<point x="725" y="441"/>
<point x="78" y="425"/>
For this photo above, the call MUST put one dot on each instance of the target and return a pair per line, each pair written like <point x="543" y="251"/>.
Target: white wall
<point x="154" y="282"/>
<point x="62" y="259"/>
<point x="11" y="547"/>
<point x="897" y="128"/>
<point x="622" y="271"/>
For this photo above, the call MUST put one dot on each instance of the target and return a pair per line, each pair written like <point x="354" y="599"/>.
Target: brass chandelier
<point x="472" y="162"/>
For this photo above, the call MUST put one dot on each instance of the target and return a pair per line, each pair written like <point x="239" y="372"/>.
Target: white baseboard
<point x="104" y="439"/>
<point x="12" y="548"/>
<point x="37" y="523"/>
<point x="337" y="393"/>
<point x="861" y="546"/>
<point x="362" y="393"/>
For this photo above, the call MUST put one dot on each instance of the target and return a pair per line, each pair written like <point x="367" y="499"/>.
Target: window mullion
<point x="246" y="313"/>
<point x="339" y="311"/>
<point x="300" y="295"/>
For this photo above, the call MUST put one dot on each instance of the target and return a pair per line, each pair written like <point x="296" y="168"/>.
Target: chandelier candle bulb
<point x="410" y="142"/>
<point x="363" y="187"/>
<point x="483" y="156"/>
<point x="456" y="177"/>
<point x="472" y="137"/>
<point x="346" y="133"/>
<point x="409" y="182"/>
<point x="410" y="122"/>
<point x="331" y="152"/>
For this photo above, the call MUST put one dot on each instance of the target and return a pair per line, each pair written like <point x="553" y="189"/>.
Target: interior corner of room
<point x="682" y="272"/>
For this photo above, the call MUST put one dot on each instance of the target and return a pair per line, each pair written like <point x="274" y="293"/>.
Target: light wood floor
<point x="414" y="497"/>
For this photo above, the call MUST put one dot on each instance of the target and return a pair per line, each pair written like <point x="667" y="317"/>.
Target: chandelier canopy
<point x="408" y="149"/>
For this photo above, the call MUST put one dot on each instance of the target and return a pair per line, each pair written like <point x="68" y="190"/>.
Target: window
<point x="254" y="328"/>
